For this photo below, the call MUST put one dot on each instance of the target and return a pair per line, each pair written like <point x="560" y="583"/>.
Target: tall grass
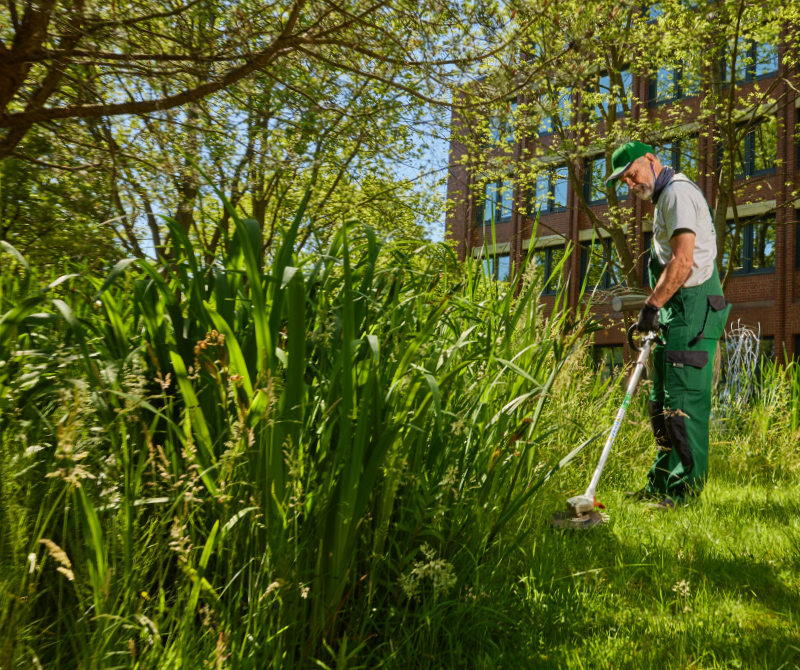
<point x="761" y="434"/>
<point x="230" y="466"/>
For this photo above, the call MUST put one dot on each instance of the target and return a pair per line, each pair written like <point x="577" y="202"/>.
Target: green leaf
<point x="16" y="254"/>
<point x="288" y="273"/>
<point x="116" y="271"/>
<point x="374" y="345"/>
<point x="198" y="577"/>
<point x="16" y="315"/>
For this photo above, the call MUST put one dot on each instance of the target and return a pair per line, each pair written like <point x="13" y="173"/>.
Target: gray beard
<point x="643" y="191"/>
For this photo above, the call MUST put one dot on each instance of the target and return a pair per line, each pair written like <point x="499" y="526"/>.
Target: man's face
<point x="640" y="178"/>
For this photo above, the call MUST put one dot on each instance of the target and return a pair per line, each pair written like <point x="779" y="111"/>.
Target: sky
<point x="429" y="172"/>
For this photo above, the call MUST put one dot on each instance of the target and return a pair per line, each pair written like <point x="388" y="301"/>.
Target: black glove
<point x="648" y="319"/>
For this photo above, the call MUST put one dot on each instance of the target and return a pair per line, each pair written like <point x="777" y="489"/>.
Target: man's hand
<point x="648" y="319"/>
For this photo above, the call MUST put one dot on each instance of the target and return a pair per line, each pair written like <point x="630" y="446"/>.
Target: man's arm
<point x="676" y="271"/>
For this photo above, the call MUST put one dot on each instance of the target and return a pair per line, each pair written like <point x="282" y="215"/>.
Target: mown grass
<point x="714" y="584"/>
<point x="350" y="460"/>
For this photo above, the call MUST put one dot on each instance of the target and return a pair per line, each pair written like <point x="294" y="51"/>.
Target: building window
<point x="682" y="155"/>
<point x="670" y="84"/>
<point x="611" y="91"/>
<point x="501" y="126"/>
<point x="546" y="261"/>
<point x="497" y="266"/>
<point x="757" y="154"/>
<point x="555" y="105"/>
<point x="754" y="61"/>
<point x="797" y="243"/>
<point x="754" y="250"/>
<point x="551" y="191"/>
<point x="497" y="202"/>
<point x="608" y="361"/>
<point x="797" y="138"/>
<point x="664" y="86"/>
<point x="647" y="243"/>
<point x="594" y="183"/>
<point x="596" y="262"/>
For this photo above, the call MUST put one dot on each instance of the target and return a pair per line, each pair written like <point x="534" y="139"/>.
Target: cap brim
<point x="616" y="174"/>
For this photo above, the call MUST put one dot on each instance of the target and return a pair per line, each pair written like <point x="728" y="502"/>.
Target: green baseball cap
<point x="624" y="155"/>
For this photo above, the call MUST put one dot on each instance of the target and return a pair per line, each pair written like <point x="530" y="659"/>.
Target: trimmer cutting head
<point x="566" y="520"/>
<point x="581" y="504"/>
<point x="580" y="513"/>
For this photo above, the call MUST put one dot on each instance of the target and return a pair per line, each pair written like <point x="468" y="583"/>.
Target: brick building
<point x="765" y="286"/>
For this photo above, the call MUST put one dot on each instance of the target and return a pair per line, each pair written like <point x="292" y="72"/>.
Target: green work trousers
<point x="692" y="321"/>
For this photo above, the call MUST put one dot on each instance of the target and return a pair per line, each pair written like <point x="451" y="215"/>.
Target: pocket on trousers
<point x="686" y="370"/>
<point x="717" y="318"/>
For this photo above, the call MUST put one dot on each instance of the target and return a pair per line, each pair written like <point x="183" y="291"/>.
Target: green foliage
<point x="102" y="103"/>
<point x="42" y="210"/>
<point x="217" y="462"/>
<point x="185" y="481"/>
<point x="569" y="97"/>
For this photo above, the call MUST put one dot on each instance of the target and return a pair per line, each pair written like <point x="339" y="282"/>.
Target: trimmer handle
<point x="653" y="335"/>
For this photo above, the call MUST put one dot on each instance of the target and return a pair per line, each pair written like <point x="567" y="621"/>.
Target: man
<point x="688" y="306"/>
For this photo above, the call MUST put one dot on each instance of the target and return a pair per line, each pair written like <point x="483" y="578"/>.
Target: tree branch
<point x="281" y="44"/>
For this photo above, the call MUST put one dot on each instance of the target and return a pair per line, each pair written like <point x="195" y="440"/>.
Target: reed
<point x="229" y="464"/>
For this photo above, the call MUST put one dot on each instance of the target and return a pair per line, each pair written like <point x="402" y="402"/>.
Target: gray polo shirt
<point x="682" y="205"/>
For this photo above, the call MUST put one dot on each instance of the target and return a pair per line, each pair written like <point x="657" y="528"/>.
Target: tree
<point x="586" y="53"/>
<point x="45" y="212"/>
<point x="262" y="98"/>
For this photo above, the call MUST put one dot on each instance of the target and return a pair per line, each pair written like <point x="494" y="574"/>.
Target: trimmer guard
<point x="566" y="519"/>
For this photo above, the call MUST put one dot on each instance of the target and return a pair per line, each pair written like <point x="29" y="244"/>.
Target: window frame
<point x="595" y="113"/>
<point x="494" y="259"/>
<point x="747" y="241"/>
<point x="480" y="221"/>
<point x="797" y="134"/>
<point x="587" y="183"/>
<point x="752" y="54"/>
<point x="606" y="281"/>
<point x="677" y="154"/>
<point x="551" y="118"/>
<point x="797" y="241"/>
<point x="549" y="288"/>
<point x="648" y="11"/>
<point x="551" y="187"/>
<point x="750" y="154"/>
<point x="677" y="81"/>
<point x="501" y="125"/>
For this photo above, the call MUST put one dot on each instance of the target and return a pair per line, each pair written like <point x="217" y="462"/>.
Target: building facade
<point x="765" y="285"/>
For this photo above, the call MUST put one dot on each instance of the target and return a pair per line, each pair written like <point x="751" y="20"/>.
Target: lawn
<point x="713" y="584"/>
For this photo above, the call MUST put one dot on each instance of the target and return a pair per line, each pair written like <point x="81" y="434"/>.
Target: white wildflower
<point x="437" y="570"/>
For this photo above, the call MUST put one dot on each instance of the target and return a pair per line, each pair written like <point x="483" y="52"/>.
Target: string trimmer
<point x="581" y="512"/>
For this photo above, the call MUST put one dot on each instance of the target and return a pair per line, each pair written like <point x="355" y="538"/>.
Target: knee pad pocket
<point x="658" y="424"/>
<point x="675" y="420"/>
